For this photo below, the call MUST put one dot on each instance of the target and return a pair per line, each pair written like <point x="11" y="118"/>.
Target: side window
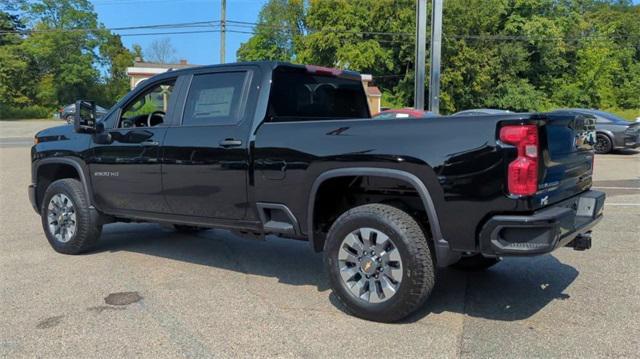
<point x="214" y="99"/>
<point x="149" y="108"/>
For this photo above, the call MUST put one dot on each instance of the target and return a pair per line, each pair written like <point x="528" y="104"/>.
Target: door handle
<point x="150" y="143"/>
<point x="230" y="142"/>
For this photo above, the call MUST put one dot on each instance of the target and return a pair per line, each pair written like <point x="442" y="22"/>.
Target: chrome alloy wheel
<point x="370" y="265"/>
<point x="61" y="216"/>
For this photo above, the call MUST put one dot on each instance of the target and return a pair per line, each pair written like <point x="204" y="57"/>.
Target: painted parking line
<point x="16" y="141"/>
<point x="622" y="204"/>
<point x="625" y="188"/>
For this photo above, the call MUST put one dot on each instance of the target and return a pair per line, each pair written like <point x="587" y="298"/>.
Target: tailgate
<point x="566" y="165"/>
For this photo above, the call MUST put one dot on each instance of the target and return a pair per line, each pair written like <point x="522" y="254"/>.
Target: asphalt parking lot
<point x="215" y="294"/>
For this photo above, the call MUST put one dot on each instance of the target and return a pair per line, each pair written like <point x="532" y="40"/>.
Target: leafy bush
<point x="28" y="112"/>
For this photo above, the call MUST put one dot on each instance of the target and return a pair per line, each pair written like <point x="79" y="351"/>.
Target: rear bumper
<point x="544" y="230"/>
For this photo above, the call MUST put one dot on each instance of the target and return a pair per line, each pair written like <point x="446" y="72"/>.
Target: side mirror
<point x="84" y="120"/>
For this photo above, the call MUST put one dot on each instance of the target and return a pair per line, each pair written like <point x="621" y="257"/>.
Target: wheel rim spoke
<point x="382" y="243"/>
<point x="348" y="273"/>
<point x="388" y="288"/>
<point x="357" y="288"/>
<point x="374" y="295"/>
<point x="367" y="235"/>
<point x="353" y="242"/>
<point x="394" y="273"/>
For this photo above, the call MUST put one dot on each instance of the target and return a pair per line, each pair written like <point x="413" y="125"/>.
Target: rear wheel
<point x="603" y="144"/>
<point x="67" y="220"/>
<point x="476" y="262"/>
<point x="379" y="263"/>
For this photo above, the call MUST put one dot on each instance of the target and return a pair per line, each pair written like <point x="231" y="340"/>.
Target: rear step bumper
<point x="567" y="223"/>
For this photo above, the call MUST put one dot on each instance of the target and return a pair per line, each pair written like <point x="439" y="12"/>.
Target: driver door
<point x="126" y="163"/>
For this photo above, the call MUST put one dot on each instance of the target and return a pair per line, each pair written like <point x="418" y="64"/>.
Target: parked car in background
<point x="612" y="132"/>
<point x="481" y="111"/>
<point x="403" y="113"/>
<point x="67" y="112"/>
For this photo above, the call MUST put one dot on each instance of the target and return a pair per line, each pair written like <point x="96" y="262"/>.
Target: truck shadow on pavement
<point x="514" y="289"/>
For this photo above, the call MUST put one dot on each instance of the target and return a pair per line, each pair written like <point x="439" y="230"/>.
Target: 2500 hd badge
<point x="106" y="174"/>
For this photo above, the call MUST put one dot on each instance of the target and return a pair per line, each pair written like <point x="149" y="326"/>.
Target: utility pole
<point x="421" y="46"/>
<point x="223" y="29"/>
<point x="436" y="50"/>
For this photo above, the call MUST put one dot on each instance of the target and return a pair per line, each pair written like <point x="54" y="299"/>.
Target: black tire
<point x="603" y="144"/>
<point x="476" y="262"/>
<point x="188" y="229"/>
<point x="87" y="228"/>
<point x="418" y="269"/>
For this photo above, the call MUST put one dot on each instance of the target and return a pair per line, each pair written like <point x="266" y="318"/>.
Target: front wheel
<point x="379" y="262"/>
<point x="66" y="217"/>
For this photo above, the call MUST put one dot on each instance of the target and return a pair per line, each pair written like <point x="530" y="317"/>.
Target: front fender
<point x="79" y="166"/>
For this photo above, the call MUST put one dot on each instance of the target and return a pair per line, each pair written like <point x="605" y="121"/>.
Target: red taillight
<point x="523" y="171"/>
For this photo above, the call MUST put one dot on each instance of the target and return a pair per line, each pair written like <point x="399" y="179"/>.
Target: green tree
<point x="62" y="52"/>
<point x="56" y="53"/>
<point x="15" y="74"/>
<point x="136" y="49"/>
<point x="115" y="58"/>
<point x="280" y="27"/>
<point x="514" y="54"/>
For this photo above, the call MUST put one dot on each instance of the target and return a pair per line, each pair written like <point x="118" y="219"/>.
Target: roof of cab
<point x="266" y="65"/>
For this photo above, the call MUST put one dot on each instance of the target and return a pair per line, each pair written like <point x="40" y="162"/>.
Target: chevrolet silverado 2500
<point x="273" y="148"/>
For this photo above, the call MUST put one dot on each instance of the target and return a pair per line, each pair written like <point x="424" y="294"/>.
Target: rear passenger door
<point x="205" y="157"/>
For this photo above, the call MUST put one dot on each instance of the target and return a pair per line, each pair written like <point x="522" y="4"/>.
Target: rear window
<point x="297" y="95"/>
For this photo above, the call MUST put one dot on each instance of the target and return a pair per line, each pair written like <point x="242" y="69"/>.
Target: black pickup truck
<point x="273" y="148"/>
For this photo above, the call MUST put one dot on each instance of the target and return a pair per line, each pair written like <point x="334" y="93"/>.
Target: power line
<point x="253" y="28"/>
<point x="196" y="24"/>
<point x="170" y="33"/>
<point x="127" y="2"/>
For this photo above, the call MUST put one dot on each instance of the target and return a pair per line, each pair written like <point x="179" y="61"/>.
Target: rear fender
<point x="444" y="256"/>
